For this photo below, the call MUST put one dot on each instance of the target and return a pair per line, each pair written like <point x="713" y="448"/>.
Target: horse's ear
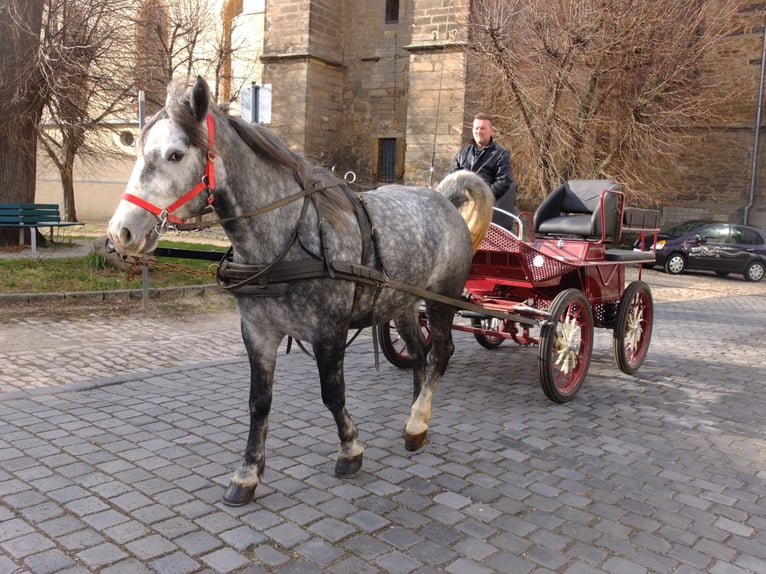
<point x="200" y="99"/>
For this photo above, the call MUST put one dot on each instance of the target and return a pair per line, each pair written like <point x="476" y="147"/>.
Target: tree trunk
<point x="21" y="102"/>
<point x="68" y="212"/>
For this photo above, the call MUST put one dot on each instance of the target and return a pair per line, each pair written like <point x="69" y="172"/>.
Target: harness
<point x="271" y="280"/>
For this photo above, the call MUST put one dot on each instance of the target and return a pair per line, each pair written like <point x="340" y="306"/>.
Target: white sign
<point x="255" y="104"/>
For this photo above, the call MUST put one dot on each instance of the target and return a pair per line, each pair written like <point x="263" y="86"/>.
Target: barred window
<point x="387" y="159"/>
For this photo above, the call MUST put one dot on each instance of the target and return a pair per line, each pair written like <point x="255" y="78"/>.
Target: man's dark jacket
<point x="493" y="164"/>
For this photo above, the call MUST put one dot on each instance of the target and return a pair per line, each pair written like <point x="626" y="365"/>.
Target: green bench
<point x="31" y="216"/>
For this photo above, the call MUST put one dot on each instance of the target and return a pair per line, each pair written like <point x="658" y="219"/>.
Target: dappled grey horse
<point x="309" y="260"/>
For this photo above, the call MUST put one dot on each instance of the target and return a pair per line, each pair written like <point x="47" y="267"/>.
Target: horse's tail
<point x="473" y="199"/>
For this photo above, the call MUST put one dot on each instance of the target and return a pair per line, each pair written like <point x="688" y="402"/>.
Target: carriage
<point x="311" y="260"/>
<point x="559" y="270"/>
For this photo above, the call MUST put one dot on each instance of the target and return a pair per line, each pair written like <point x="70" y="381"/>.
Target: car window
<point x="683" y="228"/>
<point x="745" y="236"/>
<point x="715" y="233"/>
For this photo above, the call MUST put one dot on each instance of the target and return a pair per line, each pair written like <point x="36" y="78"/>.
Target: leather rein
<point x="270" y="280"/>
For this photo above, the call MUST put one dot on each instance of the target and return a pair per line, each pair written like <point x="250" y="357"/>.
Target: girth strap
<point x="269" y="285"/>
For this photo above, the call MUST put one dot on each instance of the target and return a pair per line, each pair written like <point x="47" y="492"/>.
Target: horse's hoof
<point x="413" y="442"/>
<point x="238" y="495"/>
<point x="348" y="467"/>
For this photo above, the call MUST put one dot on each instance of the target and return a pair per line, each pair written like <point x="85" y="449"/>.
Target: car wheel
<point x="754" y="271"/>
<point x="675" y="264"/>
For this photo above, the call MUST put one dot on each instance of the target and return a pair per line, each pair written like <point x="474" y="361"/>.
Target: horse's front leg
<point x="329" y="355"/>
<point x="262" y="352"/>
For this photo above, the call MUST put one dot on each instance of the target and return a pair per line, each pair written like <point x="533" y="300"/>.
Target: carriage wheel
<point x="633" y="331"/>
<point x="393" y="346"/>
<point x="566" y="343"/>
<point x="488" y="324"/>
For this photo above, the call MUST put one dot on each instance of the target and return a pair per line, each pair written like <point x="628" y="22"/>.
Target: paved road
<point x="118" y="434"/>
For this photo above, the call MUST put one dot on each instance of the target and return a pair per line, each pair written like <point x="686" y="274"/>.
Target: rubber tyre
<point x="754" y="271"/>
<point x="393" y="346"/>
<point x="633" y="330"/>
<point x="566" y="345"/>
<point x="486" y="341"/>
<point x="675" y="264"/>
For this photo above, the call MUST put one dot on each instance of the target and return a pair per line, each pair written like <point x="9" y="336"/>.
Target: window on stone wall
<point x="387" y="159"/>
<point x="392" y="11"/>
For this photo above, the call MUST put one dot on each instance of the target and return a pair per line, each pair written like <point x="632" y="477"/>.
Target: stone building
<point x="369" y="86"/>
<point x="377" y="87"/>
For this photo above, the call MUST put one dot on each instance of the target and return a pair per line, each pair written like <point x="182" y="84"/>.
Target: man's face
<point x="482" y="132"/>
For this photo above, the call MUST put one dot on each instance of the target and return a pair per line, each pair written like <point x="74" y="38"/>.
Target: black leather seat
<point x="574" y="209"/>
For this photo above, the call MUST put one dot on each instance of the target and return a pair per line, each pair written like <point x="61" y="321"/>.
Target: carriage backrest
<point x="587" y="208"/>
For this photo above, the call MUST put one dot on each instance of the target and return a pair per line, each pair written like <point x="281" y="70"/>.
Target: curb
<point x="117" y="295"/>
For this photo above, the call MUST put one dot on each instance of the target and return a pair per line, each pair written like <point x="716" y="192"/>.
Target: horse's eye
<point x="175" y="156"/>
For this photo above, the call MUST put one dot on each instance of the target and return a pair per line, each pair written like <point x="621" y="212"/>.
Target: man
<point x="490" y="161"/>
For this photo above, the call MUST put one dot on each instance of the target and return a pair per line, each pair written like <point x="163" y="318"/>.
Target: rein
<point x="261" y="210"/>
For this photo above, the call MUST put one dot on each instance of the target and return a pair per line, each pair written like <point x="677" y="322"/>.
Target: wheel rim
<point x="399" y="346"/>
<point x="494" y="325"/>
<point x="676" y="264"/>
<point x="755" y="272"/>
<point x="566" y="343"/>
<point x="489" y="341"/>
<point x="394" y="347"/>
<point x="568" y="348"/>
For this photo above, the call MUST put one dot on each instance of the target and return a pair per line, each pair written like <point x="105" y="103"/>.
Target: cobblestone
<point x="117" y="439"/>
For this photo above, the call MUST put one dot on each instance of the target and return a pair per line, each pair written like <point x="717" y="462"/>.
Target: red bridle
<point x="207" y="183"/>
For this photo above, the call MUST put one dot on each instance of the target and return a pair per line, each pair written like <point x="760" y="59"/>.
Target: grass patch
<point x="93" y="273"/>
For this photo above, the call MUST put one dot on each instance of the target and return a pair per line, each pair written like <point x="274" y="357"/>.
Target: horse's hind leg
<point x="263" y="357"/>
<point x="409" y="328"/>
<point x="440" y="318"/>
<point x="329" y="355"/>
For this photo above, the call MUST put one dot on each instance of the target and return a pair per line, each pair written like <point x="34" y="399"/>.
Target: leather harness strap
<point x="314" y="269"/>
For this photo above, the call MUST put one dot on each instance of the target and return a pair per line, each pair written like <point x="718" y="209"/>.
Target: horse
<point x="310" y="260"/>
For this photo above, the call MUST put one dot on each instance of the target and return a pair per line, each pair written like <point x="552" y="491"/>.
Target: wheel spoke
<point x="634" y="328"/>
<point x="568" y="343"/>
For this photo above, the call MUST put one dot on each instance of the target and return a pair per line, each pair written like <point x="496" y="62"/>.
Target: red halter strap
<point x="207" y="182"/>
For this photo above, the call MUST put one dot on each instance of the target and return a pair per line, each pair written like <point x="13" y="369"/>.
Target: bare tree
<point x="186" y="38"/>
<point x="21" y="102"/>
<point x="594" y="88"/>
<point x="70" y="67"/>
<point x="84" y="53"/>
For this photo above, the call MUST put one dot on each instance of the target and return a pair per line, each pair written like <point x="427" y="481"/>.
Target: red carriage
<point x="564" y="273"/>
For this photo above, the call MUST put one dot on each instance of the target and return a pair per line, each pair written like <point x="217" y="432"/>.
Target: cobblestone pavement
<point x="118" y="435"/>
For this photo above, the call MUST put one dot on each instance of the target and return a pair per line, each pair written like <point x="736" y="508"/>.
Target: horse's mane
<point x="333" y="201"/>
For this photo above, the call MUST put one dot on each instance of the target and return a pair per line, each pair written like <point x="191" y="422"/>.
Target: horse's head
<point x="172" y="179"/>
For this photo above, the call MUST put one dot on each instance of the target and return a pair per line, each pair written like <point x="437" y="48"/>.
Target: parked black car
<point x="712" y="246"/>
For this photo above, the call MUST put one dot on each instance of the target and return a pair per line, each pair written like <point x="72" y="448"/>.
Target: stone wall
<point x="435" y="122"/>
<point x="714" y="171"/>
<point x="375" y="86"/>
<point x="436" y="117"/>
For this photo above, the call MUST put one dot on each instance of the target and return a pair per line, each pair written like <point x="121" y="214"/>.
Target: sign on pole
<point x="255" y="103"/>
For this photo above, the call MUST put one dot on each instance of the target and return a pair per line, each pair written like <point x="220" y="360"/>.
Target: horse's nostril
<point x="125" y="235"/>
